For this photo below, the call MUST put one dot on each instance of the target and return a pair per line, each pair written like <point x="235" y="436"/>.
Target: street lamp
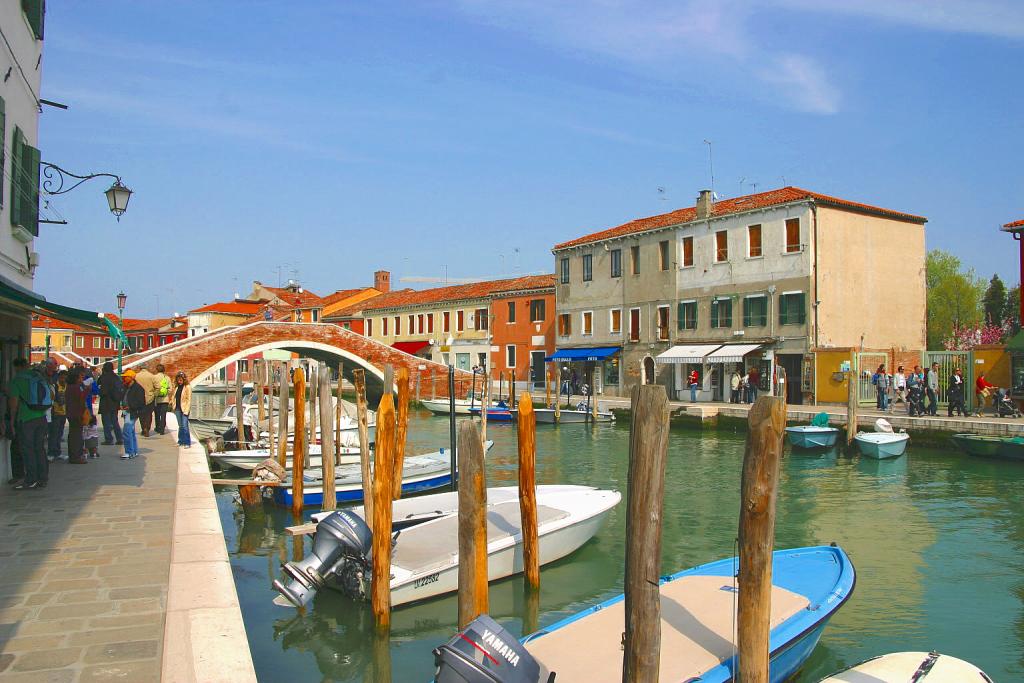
<point x="117" y="195"/>
<point x="122" y="298"/>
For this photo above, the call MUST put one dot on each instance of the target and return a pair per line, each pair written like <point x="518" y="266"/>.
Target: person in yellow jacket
<point x="181" y="402"/>
<point x="162" y="385"/>
<point x="147" y="382"/>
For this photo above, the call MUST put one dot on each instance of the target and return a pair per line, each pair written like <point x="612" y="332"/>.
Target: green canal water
<point x="937" y="539"/>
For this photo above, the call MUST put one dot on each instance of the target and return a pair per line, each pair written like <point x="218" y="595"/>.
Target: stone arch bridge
<point x="205" y="354"/>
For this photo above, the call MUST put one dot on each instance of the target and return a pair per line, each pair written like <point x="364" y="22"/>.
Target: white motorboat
<point x="442" y="406"/>
<point x="425" y="559"/>
<point x="205" y="427"/>
<point x="883" y="443"/>
<point x="249" y="460"/>
<point x="548" y="416"/>
<point x="920" y="667"/>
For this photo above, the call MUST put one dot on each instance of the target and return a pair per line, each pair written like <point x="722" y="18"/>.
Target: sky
<point x="322" y="141"/>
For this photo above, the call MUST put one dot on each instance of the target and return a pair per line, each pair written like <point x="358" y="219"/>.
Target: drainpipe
<point x="814" y="218"/>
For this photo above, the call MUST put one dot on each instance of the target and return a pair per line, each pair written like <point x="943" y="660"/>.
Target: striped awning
<point x="692" y="353"/>
<point x="731" y="353"/>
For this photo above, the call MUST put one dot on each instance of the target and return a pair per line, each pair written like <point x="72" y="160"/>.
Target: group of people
<point x="43" y="399"/>
<point x="919" y="385"/>
<point x="743" y="388"/>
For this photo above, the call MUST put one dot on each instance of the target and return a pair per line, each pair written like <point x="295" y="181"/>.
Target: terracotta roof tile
<point x="40" y="321"/>
<point x="528" y="282"/>
<point x="1015" y="224"/>
<point x="234" y="307"/>
<point x="298" y="299"/>
<point x="341" y="294"/>
<point x="473" y="290"/>
<point x="724" y="207"/>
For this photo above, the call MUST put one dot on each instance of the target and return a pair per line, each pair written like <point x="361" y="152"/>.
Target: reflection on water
<point x="937" y="539"/>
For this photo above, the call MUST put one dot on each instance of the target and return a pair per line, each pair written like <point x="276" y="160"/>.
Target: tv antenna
<point x="661" y="194"/>
<point x="711" y="166"/>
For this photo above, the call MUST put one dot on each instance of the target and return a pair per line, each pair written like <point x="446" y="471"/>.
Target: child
<point x="91" y="436"/>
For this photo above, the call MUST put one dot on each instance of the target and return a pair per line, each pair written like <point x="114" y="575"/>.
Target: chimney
<point x="382" y="281"/>
<point x="705" y="204"/>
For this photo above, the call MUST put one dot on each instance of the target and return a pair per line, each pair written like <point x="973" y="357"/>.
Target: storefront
<point x="715" y="364"/>
<point x="598" y="364"/>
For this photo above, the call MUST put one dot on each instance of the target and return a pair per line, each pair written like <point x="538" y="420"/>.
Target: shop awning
<point x="583" y="354"/>
<point x="410" y="347"/>
<point x="692" y="353"/>
<point x="22" y="299"/>
<point x="731" y="353"/>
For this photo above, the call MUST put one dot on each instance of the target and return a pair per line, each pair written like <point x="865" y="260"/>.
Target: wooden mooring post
<point x="472" y="525"/>
<point x="271" y="384"/>
<point x="313" y="383"/>
<point x="338" y="403"/>
<point x="359" y="383"/>
<point x="547" y="387"/>
<point x="299" y="442"/>
<point x="485" y="401"/>
<point x="401" y="427"/>
<point x="648" y="450"/>
<point x="243" y="443"/>
<point x="526" y="430"/>
<point x="261" y="406"/>
<point x="330" y="502"/>
<point x="284" y="394"/>
<point x="852" y="398"/>
<point x="380" y="590"/>
<point x="758" y="488"/>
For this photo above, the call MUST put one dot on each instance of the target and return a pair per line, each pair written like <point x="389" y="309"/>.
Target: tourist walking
<point x="956" y="394"/>
<point x="133" y="404"/>
<point x="881" y="382"/>
<point x="734" y="385"/>
<point x="58" y="416"/>
<point x="931" y="383"/>
<point x="163" y="399"/>
<point x="111" y="390"/>
<point x="982" y="389"/>
<point x="753" y="380"/>
<point x="182" y="404"/>
<point x="147" y="382"/>
<point x="915" y="394"/>
<point x="29" y="398"/>
<point x="78" y="416"/>
<point x="899" y="387"/>
<point x="693" y="381"/>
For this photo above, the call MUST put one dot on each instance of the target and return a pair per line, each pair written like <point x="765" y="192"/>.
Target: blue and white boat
<point x="698" y="620"/>
<point x="499" y="412"/>
<point x="812" y="436"/>
<point x="883" y="443"/>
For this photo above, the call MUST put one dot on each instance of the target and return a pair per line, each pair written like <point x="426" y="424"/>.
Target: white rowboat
<point x="919" y="667"/>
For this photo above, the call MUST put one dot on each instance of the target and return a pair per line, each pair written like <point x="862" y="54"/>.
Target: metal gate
<point x="867" y="364"/>
<point x="948" y="361"/>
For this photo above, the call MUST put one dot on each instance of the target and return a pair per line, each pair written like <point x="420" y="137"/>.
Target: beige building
<point x="221" y="314"/>
<point x="760" y="281"/>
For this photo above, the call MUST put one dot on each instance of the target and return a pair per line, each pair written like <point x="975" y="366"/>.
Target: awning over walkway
<point x="410" y="347"/>
<point x="693" y="353"/>
<point x="731" y="353"/>
<point x="583" y="354"/>
<point x="30" y="302"/>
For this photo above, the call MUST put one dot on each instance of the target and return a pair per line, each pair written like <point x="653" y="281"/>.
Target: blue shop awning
<point x="592" y="353"/>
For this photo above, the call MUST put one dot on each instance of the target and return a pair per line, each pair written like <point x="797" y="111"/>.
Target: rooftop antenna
<point x="711" y="167"/>
<point x="661" y="194"/>
<point x="784" y="181"/>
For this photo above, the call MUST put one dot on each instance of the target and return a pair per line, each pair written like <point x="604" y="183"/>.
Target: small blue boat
<point x="810" y="436"/>
<point x="698" y="619"/>
<point x="499" y="412"/>
<point x="882" y="445"/>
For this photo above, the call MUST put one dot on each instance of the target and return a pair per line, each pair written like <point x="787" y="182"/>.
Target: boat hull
<point x="882" y="450"/>
<point x="443" y="407"/>
<point x="547" y="416"/>
<point x="313" y="494"/>
<point x="494" y="414"/>
<point x="907" y="666"/>
<point x="813" y="437"/>
<point x="1010" y="449"/>
<point x="978" y="445"/>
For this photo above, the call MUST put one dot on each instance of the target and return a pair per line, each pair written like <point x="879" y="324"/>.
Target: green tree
<point x="1012" y="311"/>
<point x="954" y="296"/>
<point x="994" y="301"/>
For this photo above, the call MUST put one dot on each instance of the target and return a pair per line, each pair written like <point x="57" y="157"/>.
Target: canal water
<point x="937" y="539"/>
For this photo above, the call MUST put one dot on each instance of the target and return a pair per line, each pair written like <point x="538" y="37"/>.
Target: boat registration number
<point x="426" y="580"/>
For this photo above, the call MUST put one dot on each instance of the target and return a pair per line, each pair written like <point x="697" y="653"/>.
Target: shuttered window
<point x="755" y="311"/>
<point x="34" y="11"/>
<point x="721" y="313"/>
<point x="687" y="251"/>
<point x="24" y="184"/>
<point x="793" y="308"/>
<point x="687" y="318"/>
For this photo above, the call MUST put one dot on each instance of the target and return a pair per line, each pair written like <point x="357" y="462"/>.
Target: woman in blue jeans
<point x="133" y="404"/>
<point x="181" y="403"/>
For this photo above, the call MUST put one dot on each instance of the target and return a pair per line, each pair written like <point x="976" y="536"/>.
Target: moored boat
<point x="547" y="416"/>
<point x="249" y="460"/>
<point x="917" y="667"/>
<point x="882" y="445"/>
<point x="442" y="406"/>
<point x="1011" y="448"/>
<point x="978" y="444"/>
<point x="812" y="436"/>
<point x="496" y="413"/>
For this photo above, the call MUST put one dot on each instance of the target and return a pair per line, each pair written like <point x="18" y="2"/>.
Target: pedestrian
<point x="734" y="384"/>
<point x="111" y="390"/>
<point x="133" y="405"/>
<point x="29" y="399"/>
<point x="931" y="383"/>
<point x="693" y="381"/>
<point x="182" y="404"/>
<point x="147" y="381"/>
<point x="956" y="394"/>
<point x="915" y="394"/>
<point x="881" y="382"/>
<point x="982" y="389"/>
<point x="753" y="381"/>
<point x="58" y="416"/>
<point x="91" y="437"/>
<point x="162" y="401"/>
<point x="899" y="387"/>
<point x="78" y="415"/>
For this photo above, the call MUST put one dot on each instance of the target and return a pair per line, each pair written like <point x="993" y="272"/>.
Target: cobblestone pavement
<point x="85" y="562"/>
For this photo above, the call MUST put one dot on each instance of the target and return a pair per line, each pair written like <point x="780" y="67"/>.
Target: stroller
<point x="1004" y="405"/>
<point x="915" y="399"/>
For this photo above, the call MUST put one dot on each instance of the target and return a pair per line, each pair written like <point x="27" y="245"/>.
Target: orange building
<point x="522" y="328"/>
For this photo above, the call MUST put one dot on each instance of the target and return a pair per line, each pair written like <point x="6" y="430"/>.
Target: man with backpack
<point x="163" y="398"/>
<point x="111" y="391"/>
<point x="147" y="381"/>
<point x="29" y="401"/>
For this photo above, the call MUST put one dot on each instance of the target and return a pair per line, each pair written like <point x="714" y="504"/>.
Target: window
<point x="24" y="183"/>
<point x="588" y="267"/>
<point x="384" y="325"/>
<point x="634" y="324"/>
<point x="430" y="323"/>
<point x="754" y="241"/>
<point x="511" y="311"/>
<point x="792" y="235"/>
<point x="106" y="342"/>
<point x="419" y="323"/>
<point x="80" y="342"/>
<point x="755" y="311"/>
<point x="564" y="324"/>
<point x="663" y="255"/>
<point x="316" y="315"/>
<point x="537" y="312"/>
<point x="663" y="322"/>
<point x="564" y="271"/>
<point x="34" y="12"/>
<point x="615" y="321"/>
<point x="369" y="327"/>
<point x="634" y="259"/>
<point x="446" y="321"/>
<point x="95" y="342"/>
<point x="616" y="260"/>
<point x="588" y="322"/>
<point x="460" y="321"/>
<point x="412" y="324"/>
<point x="480" y="318"/>
<point x="687" y="315"/>
<point x="687" y="251"/>
<point x="510" y="356"/>
<point x="721" y="313"/>
<point x="792" y="308"/>
<point x="152" y="340"/>
<point x="721" y="246"/>
<point x="398" y="326"/>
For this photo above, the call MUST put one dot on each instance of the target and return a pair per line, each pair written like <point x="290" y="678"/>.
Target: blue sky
<point x="328" y="139"/>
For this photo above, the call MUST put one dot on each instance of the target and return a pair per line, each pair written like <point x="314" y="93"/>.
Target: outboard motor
<point x="484" y="652"/>
<point x="341" y="548"/>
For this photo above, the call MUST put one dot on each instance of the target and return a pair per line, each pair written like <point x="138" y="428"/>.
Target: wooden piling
<point x="261" y="408"/>
<point x="526" y="429"/>
<point x="419" y="375"/>
<point x="648" y="449"/>
<point x="547" y="388"/>
<point x="485" y="402"/>
<point x="511" y="389"/>
<point x="239" y="413"/>
<point x="326" y="434"/>
<point x="593" y="393"/>
<point x="852" y="398"/>
<point x="359" y="383"/>
<point x="284" y="394"/>
<point x="758" y="487"/>
<point x="299" y="442"/>
<point x="401" y="428"/>
<point x="389" y="379"/>
<point x="433" y="385"/>
<point x="338" y="403"/>
<point x="380" y="591"/>
<point x="271" y="451"/>
<point x="313" y="383"/>
<point x="251" y="496"/>
<point x="472" y="525"/>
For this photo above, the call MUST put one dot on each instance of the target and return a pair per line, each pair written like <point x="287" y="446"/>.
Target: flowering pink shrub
<point x="966" y="337"/>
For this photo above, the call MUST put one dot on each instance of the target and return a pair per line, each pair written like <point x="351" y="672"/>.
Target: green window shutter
<point x="783" y="300"/>
<point x="34" y="11"/>
<point x="681" y="317"/>
<point x="16" y="199"/>
<point x="746" y="312"/>
<point x="801" y="312"/>
<point x="30" y="189"/>
<point x="3" y="144"/>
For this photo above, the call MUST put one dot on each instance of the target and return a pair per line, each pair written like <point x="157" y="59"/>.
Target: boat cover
<point x="820" y="420"/>
<point x="882" y="425"/>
